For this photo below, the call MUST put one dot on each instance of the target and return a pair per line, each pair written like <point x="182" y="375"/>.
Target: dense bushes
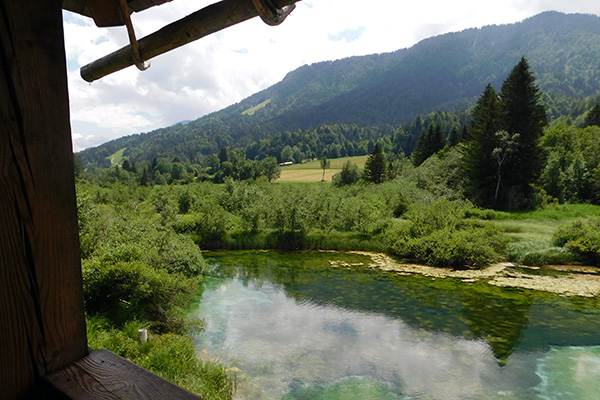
<point x="416" y="216"/>
<point x="582" y="237"/>
<point x="133" y="290"/>
<point x="137" y="268"/>
<point x="133" y="266"/>
<point x="438" y="234"/>
<point x="433" y="229"/>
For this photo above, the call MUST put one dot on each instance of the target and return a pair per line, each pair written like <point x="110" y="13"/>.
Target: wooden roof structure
<point x="43" y="345"/>
<point x="108" y="12"/>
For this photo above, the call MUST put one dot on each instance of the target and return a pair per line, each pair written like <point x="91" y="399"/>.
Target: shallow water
<point x="292" y="326"/>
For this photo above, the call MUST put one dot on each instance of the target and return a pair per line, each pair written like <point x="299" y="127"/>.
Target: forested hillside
<point x="365" y="99"/>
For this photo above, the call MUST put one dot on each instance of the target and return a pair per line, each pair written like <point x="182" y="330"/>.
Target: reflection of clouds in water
<point x="268" y="334"/>
<point x="569" y="373"/>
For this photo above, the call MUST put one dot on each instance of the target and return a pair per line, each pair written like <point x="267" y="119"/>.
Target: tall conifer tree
<point x="375" y="165"/>
<point x="519" y="113"/>
<point x="522" y="113"/>
<point x="430" y="142"/>
<point x="593" y="116"/>
<point x="478" y="164"/>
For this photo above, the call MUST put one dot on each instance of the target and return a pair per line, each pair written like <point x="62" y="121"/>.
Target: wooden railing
<point x="105" y="375"/>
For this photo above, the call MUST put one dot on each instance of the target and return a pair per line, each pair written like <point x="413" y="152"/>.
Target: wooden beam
<point x="105" y="375"/>
<point x="105" y="12"/>
<point x="42" y="326"/>
<point x="202" y="23"/>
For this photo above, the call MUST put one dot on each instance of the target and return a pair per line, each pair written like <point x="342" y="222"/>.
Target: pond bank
<point x="558" y="279"/>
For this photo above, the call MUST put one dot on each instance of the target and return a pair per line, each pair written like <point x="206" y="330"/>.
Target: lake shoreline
<point x="583" y="281"/>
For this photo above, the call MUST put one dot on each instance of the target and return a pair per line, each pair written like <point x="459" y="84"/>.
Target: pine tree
<point x="477" y="161"/>
<point x="454" y="137"/>
<point x="223" y="156"/>
<point x="437" y="141"/>
<point x="145" y="178"/>
<point x="522" y="113"/>
<point x="419" y="153"/>
<point x="152" y="170"/>
<point x="375" y="165"/>
<point x="593" y="116"/>
<point x="502" y="159"/>
<point x="430" y="142"/>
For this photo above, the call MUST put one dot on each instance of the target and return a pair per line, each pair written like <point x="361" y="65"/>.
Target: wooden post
<point x="42" y="326"/>
<point x="202" y="23"/>
<point x="143" y="334"/>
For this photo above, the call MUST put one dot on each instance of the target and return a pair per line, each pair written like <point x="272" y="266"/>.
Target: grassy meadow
<point x="311" y="171"/>
<point x="533" y="232"/>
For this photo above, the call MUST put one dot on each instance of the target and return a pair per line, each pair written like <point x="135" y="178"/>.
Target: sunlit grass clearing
<point x="312" y="172"/>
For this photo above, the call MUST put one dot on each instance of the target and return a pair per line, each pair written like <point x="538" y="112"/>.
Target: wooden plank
<point x="105" y="12"/>
<point x="104" y="375"/>
<point x="140" y="5"/>
<point x="42" y="326"/>
<point x="202" y="23"/>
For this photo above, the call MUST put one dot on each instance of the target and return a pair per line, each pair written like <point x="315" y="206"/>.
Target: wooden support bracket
<point x="135" y="50"/>
<point x="202" y="23"/>
<point x="270" y="13"/>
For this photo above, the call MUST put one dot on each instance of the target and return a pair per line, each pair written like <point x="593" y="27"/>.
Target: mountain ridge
<point x="446" y="72"/>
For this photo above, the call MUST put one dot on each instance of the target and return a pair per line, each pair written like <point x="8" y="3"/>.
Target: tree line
<point x="509" y="156"/>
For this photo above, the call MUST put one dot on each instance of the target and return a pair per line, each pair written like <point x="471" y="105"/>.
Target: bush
<point x="438" y="235"/>
<point x="582" y="237"/>
<point x="472" y="247"/>
<point x="347" y="176"/>
<point x="132" y="290"/>
<point x="481" y="213"/>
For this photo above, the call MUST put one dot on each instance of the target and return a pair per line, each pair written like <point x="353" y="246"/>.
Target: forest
<point x="459" y="197"/>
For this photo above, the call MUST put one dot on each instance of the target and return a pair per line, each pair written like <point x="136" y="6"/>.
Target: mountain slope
<point x="446" y="72"/>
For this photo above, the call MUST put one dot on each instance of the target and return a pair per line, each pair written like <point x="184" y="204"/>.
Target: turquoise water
<point x="292" y="326"/>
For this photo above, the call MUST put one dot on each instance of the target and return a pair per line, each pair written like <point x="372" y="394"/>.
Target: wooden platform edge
<point x="105" y="375"/>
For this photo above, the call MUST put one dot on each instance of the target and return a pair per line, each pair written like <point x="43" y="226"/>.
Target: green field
<point x="312" y="172"/>
<point x="116" y="158"/>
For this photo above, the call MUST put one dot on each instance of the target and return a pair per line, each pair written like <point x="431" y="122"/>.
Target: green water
<point x="292" y="326"/>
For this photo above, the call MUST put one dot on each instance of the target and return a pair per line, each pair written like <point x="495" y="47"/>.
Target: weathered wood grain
<point x="202" y="23"/>
<point x="104" y="375"/>
<point x="42" y="325"/>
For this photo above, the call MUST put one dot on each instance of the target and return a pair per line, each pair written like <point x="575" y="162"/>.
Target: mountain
<point x="447" y="72"/>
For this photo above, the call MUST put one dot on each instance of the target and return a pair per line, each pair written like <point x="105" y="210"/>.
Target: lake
<point x="323" y="325"/>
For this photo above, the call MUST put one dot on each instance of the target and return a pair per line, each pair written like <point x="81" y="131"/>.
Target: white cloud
<point x="224" y="68"/>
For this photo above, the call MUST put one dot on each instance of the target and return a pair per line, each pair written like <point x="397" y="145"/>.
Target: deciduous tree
<point x="325" y="164"/>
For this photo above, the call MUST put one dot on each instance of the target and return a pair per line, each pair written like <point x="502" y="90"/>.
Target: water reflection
<point x="297" y="328"/>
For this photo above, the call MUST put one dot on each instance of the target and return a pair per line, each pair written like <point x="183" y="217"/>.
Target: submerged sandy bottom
<point x="570" y="281"/>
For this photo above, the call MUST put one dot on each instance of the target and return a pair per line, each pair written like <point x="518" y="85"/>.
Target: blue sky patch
<point x="349" y="34"/>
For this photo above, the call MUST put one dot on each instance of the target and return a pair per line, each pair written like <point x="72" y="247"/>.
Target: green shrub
<point x="438" y="235"/>
<point x="481" y="213"/>
<point x="582" y="237"/>
<point x="126" y="291"/>
<point x="471" y="247"/>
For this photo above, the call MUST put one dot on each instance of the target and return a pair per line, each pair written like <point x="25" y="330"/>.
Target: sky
<point x="226" y="67"/>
